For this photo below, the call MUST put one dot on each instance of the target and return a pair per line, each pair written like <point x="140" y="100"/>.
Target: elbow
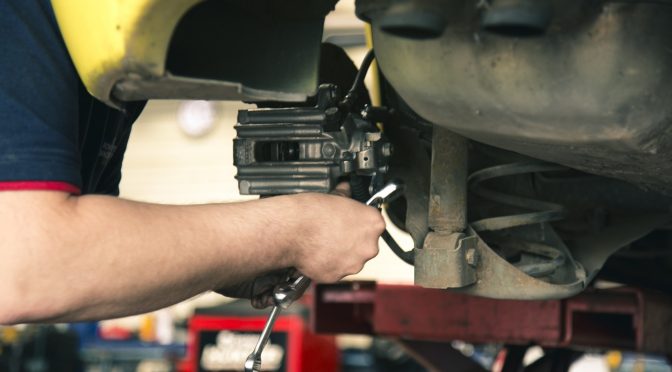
<point x="13" y="309"/>
<point x="21" y="307"/>
<point x="31" y="251"/>
<point x="10" y="314"/>
<point x="8" y="311"/>
<point x="25" y="297"/>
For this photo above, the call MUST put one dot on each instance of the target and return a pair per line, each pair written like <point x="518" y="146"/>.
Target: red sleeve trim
<point x="39" y="185"/>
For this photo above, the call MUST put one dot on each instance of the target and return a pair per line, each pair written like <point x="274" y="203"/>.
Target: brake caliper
<point x="307" y="149"/>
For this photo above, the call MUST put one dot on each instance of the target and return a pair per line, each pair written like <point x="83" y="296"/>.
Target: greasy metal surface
<point x="292" y="150"/>
<point x="618" y="318"/>
<point x="414" y="19"/>
<point x="448" y="182"/>
<point x="497" y="278"/>
<point x="442" y="262"/>
<point x="593" y="250"/>
<point x="135" y="88"/>
<point x="447" y="260"/>
<point x="590" y="93"/>
<point x="517" y="18"/>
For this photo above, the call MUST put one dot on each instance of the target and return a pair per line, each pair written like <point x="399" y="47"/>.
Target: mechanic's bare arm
<point x="66" y="258"/>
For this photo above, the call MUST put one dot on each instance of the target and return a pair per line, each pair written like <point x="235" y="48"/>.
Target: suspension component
<point x="534" y="258"/>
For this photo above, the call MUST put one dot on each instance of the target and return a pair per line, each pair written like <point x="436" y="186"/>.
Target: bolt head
<point x="328" y="150"/>
<point x="471" y="256"/>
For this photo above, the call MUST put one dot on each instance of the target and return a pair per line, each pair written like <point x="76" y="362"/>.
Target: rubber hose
<point x="359" y="188"/>
<point x="406" y="256"/>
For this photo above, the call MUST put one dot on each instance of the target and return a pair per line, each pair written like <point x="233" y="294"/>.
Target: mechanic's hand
<point x="336" y="236"/>
<point x="260" y="290"/>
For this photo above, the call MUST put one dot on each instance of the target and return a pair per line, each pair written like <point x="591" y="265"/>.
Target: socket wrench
<point x="285" y="294"/>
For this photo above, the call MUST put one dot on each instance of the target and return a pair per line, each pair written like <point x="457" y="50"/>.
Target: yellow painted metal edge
<point x="110" y="39"/>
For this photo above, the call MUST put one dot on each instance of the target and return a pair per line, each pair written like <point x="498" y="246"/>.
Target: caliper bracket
<point x="305" y="149"/>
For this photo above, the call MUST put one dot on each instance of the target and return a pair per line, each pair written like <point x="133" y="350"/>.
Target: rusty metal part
<point x="448" y="186"/>
<point x="623" y="318"/>
<point x="522" y="257"/>
<point x="498" y="278"/>
<point x="447" y="260"/>
<point x="442" y="260"/>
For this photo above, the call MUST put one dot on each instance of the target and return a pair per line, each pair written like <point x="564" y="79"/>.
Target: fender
<point x="193" y="49"/>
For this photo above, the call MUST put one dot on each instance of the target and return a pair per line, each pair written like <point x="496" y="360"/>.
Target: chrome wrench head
<point x="252" y="364"/>
<point x="389" y="192"/>
<point x="285" y="294"/>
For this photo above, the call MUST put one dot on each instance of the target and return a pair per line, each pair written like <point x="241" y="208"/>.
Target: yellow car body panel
<point x="126" y="50"/>
<point x="108" y="39"/>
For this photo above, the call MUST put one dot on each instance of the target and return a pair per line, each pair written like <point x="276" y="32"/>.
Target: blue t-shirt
<point x="53" y="134"/>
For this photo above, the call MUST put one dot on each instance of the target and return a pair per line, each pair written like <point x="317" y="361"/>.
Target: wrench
<point x="285" y="294"/>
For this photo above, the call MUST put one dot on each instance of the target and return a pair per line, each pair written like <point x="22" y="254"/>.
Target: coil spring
<point x="552" y="258"/>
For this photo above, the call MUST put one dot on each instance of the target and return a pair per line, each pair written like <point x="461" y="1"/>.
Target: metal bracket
<point x="446" y="261"/>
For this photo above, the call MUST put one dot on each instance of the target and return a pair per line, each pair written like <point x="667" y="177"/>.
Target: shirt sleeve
<point x="38" y="102"/>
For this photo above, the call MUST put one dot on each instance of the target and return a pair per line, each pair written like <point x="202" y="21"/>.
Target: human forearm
<point x="99" y="257"/>
<point x="66" y="258"/>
